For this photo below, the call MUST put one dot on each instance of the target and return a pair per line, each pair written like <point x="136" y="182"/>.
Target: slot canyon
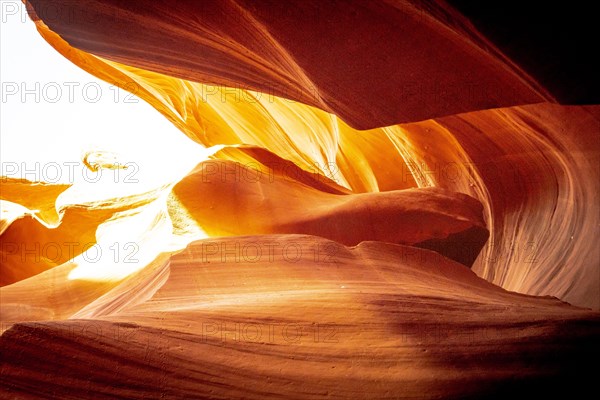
<point x="330" y="199"/>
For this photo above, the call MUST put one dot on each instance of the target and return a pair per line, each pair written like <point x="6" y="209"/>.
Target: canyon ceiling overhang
<point x="371" y="63"/>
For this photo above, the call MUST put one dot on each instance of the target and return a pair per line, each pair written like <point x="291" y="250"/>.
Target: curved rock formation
<point x="302" y="257"/>
<point x="231" y="198"/>
<point x="446" y="67"/>
<point x="428" y="153"/>
<point x="290" y="316"/>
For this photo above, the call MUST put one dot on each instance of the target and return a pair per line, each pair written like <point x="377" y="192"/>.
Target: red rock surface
<point x="303" y="318"/>
<point x="401" y="61"/>
<point x="448" y="251"/>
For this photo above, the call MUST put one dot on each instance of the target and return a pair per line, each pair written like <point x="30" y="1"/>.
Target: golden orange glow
<point x="425" y="154"/>
<point x="362" y="263"/>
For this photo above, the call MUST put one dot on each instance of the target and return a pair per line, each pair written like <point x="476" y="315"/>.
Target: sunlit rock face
<point x="386" y="206"/>
<point x="269" y="195"/>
